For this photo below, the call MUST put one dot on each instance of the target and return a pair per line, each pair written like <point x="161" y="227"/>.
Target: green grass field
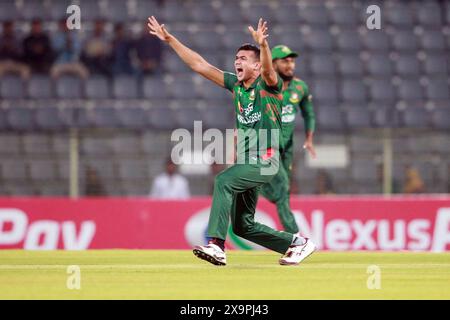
<point x="142" y="274"/>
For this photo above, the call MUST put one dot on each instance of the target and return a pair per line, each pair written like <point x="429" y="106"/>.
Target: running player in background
<point x="296" y="97"/>
<point x="256" y="89"/>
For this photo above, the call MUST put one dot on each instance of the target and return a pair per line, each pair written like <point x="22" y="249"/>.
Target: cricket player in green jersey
<point x="256" y="89"/>
<point x="296" y="97"/>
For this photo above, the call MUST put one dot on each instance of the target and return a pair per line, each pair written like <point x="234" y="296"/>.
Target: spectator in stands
<point x="67" y="47"/>
<point x="38" y="53"/>
<point x="94" y="186"/>
<point x="121" y="51"/>
<point x="148" y="52"/>
<point x="324" y="184"/>
<point x="414" y="182"/>
<point x="11" y="53"/>
<point x="96" y="53"/>
<point x="170" y="184"/>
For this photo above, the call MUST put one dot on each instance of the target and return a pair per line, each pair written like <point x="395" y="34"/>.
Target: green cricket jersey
<point x="257" y="107"/>
<point x="296" y="97"/>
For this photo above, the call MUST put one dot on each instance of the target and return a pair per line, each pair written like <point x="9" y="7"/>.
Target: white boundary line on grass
<point x="237" y="265"/>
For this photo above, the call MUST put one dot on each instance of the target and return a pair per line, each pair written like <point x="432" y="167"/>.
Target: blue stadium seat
<point x="254" y="11"/>
<point x="344" y="15"/>
<point x="380" y="66"/>
<point x="186" y="115"/>
<point x="330" y="119"/>
<point x="293" y="39"/>
<point x="91" y="10"/>
<point x="210" y="91"/>
<point x="145" y="9"/>
<point x="325" y="90"/>
<point x="348" y="41"/>
<point x="154" y="88"/>
<point x="57" y="9"/>
<point x="315" y="15"/>
<point x="173" y="64"/>
<point x="287" y="14"/>
<point x="69" y="87"/>
<point x="410" y="90"/>
<point x="20" y="119"/>
<point x="104" y="117"/>
<point x="12" y="87"/>
<point x="405" y="41"/>
<point x="231" y="14"/>
<point x="320" y="41"/>
<point x="48" y="118"/>
<point x="130" y="169"/>
<point x="407" y="66"/>
<point x="429" y="15"/>
<point x="440" y="119"/>
<point x="125" y="87"/>
<point x="175" y="12"/>
<point x="382" y="91"/>
<point x="118" y="11"/>
<point x="162" y="118"/>
<point x="322" y="65"/>
<point x="134" y="118"/>
<point x="126" y="144"/>
<point x="32" y="9"/>
<point x="208" y="41"/>
<point x="233" y="39"/>
<point x="433" y="40"/>
<point x="415" y="118"/>
<point x="353" y="91"/>
<point x="97" y="87"/>
<point x="357" y="118"/>
<point x="400" y="16"/>
<point x="14" y="170"/>
<point x="8" y="10"/>
<point x="350" y="66"/>
<point x="219" y="117"/>
<point x="438" y="89"/>
<point x="40" y="87"/>
<point x="203" y="13"/>
<point x="436" y="64"/>
<point x="376" y="41"/>
<point x="42" y="170"/>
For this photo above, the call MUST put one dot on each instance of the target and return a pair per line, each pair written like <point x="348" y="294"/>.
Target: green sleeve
<point x="278" y="88"/>
<point x="306" y="107"/>
<point x="229" y="79"/>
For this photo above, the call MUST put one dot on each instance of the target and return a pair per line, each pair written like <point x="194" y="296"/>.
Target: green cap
<point x="281" y="52"/>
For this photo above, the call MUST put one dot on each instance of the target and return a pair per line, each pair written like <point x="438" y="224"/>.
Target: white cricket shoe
<point x="297" y="253"/>
<point x="211" y="253"/>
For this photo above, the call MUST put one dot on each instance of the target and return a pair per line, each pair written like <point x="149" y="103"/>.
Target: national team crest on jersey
<point x="294" y="97"/>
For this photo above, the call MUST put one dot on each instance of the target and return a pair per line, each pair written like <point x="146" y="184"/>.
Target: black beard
<point x="286" y="77"/>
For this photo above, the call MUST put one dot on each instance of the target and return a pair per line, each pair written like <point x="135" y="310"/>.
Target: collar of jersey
<point x="252" y="86"/>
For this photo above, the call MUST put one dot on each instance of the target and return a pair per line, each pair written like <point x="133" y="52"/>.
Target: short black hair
<point x="250" y="47"/>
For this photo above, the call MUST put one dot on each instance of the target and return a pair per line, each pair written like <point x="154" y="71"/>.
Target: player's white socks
<point x="298" y="240"/>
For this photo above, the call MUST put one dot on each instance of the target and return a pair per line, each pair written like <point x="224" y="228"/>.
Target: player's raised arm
<point x="260" y="35"/>
<point x="190" y="57"/>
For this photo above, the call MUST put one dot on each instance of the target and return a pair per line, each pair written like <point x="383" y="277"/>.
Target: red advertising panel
<point x="335" y="223"/>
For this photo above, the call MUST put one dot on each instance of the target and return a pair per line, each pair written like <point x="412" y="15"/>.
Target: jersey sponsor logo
<point x="288" y="118"/>
<point x="255" y="117"/>
<point x="287" y="109"/>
